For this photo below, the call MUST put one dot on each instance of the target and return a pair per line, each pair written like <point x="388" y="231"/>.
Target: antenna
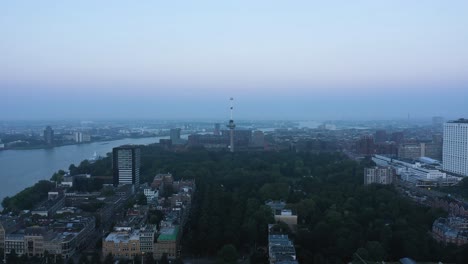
<point x="231" y="127"/>
<point x="231" y="99"/>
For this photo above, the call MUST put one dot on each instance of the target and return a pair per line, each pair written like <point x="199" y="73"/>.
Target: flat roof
<point x="123" y="237"/>
<point x="459" y="121"/>
<point x="169" y="234"/>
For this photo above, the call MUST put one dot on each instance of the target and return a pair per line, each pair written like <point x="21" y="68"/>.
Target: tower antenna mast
<point x="231" y="127"/>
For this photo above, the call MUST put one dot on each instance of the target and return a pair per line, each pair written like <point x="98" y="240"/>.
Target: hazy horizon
<point x="363" y="60"/>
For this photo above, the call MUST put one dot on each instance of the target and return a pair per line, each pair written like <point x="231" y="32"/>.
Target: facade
<point x="380" y="175"/>
<point x="14" y="241"/>
<point x="258" y="139"/>
<point x="242" y="137"/>
<point x="455" y="147"/>
<point x="217" y="129"/>
<point x="380" y="136"/>
<point x="411" y="151"/>
<point x="175" y="135"/>
<point x="63" y="237"/>
<point x="81" y="137"/>
<point x="451" y="230"/>
<point x="151" y="195"/>
<point x="7" y="226"/>
<point x="281" y="249"/>
<point x="167" y="243"/>
<point x="123" y="243"/>
<point x="126" y="165"/>
<point x="2" y="236"/>
<point x="286" y="216"/>
<point x="398" y="137"/>
<point x="49" y="135"/>
<point x="147" y="235"/>
<point x="365" y="145"/>
<point x="433" y="150"/>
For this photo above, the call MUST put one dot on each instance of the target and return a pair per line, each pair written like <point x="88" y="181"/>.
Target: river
<point x="22" y="168"/>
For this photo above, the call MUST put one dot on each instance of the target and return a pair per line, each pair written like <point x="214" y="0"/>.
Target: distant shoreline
<point x="72" y="144"/>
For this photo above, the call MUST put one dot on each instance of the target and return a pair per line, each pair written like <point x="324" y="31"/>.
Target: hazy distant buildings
<point x="380" y="136"/>
<point x="451" y="230"/>
<point x="414" y="151"/>
<point x="437" y="121"/>
<point x="49" y="135"/>
<point x="378" y="174"/>
<point x="365" y="145"/>
<point x="126" y="165"/>
<point x="398" y="137"/>
<point x="81" y="137"/>
<point x="411" y="151"/>
<point x="175" y="135"/>
<point x="217" y="129"/>
<point x="455" y="147"/>
<point x="258" y="139"/>
<point x="242" y="137"/>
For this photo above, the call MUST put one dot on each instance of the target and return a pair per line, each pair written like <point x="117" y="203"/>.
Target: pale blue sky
<point x="308" y="59"/>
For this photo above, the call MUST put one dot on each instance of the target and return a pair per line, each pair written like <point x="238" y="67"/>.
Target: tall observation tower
<point x="231" y="127"/>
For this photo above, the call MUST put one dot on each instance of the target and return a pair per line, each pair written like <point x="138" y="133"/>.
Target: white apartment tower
<point x="455" y="147"/>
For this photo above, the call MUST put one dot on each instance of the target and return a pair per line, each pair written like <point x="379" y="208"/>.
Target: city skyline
<point x="166" y="60"/>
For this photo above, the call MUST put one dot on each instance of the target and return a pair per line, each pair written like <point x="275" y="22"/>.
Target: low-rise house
<point x="451" y="230"/>
<point x="167" y="243"/>
<point x="124" y="242"/>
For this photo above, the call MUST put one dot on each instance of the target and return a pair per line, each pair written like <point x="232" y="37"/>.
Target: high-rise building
<point x="217" y="129"/>
<point x="380" y="175"/>
<point x="81" y="137"/>
<point x="365" y="145"/>
<point x="380" y="136"/>
<point x="411" y="151"/>
<point x="455" y="147"/>
<point x="175" y="135"/>
<point x="49" y="135"/>
<point x="398" y="137"/>
<point x="126" y="165"/>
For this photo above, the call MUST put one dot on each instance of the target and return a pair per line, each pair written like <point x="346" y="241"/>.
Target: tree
<point x="142" y="199"/>
<point x="109" y="259"/>
<point x="178" y="261"/>
<point x="95" y="258"/>
<point x="70" y="261"/>
<point x="227" y="254"/>
<point x="164" y="259"/>
<point x="12" y="257"/>
<point x="58" y="176"/>
<point x="83" y="259"/>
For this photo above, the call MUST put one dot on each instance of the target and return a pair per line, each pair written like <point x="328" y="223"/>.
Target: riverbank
<point x="23" y="168"/>
<point x="74" y="143"/>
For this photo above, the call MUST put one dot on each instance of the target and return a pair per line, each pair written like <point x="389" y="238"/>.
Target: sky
<point x="278" y="59"/>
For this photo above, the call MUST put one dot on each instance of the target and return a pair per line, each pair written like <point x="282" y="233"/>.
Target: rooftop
<point x="459" y="121"/>
<point x="169" y="234"/>
<point x="123" y="237"/>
